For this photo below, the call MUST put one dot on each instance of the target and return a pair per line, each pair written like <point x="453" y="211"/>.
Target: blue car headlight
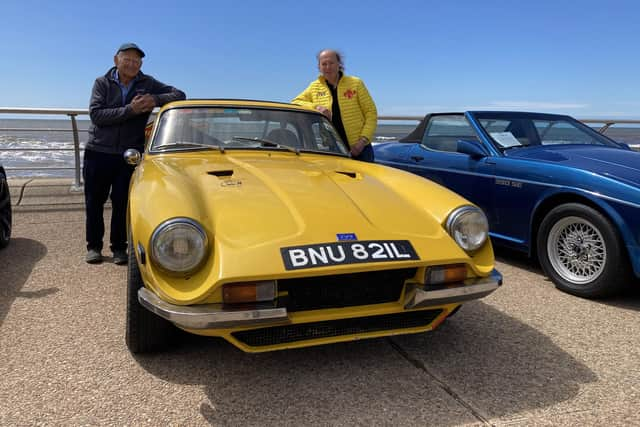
<point x="179" y="245"/>
<point x="469" y="227"/>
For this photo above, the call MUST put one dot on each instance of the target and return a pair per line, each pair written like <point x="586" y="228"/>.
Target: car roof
<point x="415" y="136"/>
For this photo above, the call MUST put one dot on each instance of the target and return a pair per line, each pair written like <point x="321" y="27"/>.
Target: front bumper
<point x="418" y="296"/>
<point x="212" y="316"/>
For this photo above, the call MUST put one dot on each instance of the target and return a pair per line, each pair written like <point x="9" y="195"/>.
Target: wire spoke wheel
<point x="577" y="250"/>
<point x="581" y="251"/>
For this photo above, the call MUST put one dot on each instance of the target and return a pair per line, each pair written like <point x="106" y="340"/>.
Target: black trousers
<point x="103" y="174"/>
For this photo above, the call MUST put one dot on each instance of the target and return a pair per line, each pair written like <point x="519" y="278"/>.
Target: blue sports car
<point x="549" y="185"/>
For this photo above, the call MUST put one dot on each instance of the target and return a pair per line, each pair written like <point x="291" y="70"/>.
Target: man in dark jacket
<point x="121" y="102"/>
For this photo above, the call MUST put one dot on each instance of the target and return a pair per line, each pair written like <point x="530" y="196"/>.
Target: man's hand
<point x="325" y="111"/>
<point x="143" y="103"/>
<point x="357" y="148"/>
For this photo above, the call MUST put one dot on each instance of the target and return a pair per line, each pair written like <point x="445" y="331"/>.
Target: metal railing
<point x="74" y="113"/>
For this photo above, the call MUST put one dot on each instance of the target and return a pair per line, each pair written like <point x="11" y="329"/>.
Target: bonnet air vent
<point x="349" y="174"/>
<point x="221" y="173"/>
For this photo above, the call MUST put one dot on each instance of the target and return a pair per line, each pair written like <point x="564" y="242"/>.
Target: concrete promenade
<point x="46" y="193"/>
<point x="527" y="355"/>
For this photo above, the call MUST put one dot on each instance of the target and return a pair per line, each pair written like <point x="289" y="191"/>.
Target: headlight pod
<point x="469" y="227"/>
<point x="179" y="245"/>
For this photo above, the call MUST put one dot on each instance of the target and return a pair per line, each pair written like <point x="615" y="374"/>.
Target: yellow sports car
<point x="248" y="220"/>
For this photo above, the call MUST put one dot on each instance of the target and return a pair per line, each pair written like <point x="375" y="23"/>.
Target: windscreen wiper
<point x="267" y="143"/>
<point x="514" y="146"/>
<point x="189" y="144"/>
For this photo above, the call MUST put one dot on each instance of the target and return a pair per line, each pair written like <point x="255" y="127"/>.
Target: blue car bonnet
<point x="619" y="164"/>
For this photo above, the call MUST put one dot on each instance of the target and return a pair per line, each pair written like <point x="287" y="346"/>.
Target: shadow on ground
<point x="16" y="263"/>
<point x="517" y="259"/>
<point x="628" y="298"/>
<point x="496" y="363"/>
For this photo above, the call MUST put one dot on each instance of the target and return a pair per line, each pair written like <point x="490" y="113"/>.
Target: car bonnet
<point x="619" y="164"/>
<point x="252" y="198"/>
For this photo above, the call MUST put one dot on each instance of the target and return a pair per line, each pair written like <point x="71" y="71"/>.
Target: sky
<point x="572" y="57"/>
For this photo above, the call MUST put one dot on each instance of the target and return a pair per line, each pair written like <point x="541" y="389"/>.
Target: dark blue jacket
<point x="114" y="126"/>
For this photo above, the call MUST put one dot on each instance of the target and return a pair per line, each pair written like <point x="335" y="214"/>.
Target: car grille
<point x="334" y="328"/>
<point x="344" y="290"/>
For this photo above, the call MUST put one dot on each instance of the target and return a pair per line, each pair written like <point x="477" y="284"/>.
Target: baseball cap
<point x="127" y="46"/>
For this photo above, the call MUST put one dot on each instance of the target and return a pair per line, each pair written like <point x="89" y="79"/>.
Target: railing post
<point x="76" y="186"/>
<point x="606" y="126"/>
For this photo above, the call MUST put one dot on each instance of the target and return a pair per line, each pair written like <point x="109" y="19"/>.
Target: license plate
<point x="347" y="252"/>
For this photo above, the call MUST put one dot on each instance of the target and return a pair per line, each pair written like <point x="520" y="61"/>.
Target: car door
<point x="438" y="159"/>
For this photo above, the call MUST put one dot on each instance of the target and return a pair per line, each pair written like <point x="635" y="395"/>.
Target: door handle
<point x="417" y="158"/>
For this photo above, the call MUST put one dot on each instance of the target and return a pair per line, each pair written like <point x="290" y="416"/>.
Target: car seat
<point x="284" y="137"/>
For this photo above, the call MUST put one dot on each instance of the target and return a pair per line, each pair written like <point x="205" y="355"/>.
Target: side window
<point x="443" y="132"/>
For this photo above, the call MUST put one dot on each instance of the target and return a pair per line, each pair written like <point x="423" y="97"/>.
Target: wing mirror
<point x="132" y="157"/>
<point x="472" y="148"/>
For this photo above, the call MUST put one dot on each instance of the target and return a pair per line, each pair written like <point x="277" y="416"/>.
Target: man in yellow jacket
<point x="345" y="101"/>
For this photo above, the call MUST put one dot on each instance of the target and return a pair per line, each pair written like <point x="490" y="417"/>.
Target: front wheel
<point x="146" y="332"/>
<point x="579" y="249"/>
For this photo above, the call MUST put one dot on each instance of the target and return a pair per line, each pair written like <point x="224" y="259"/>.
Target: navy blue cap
<point x="128" y="46"/>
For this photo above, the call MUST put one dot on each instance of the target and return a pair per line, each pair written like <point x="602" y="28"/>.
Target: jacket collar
<point x="324" y="80"/>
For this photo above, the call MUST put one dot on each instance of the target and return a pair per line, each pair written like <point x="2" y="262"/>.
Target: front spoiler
<point x="212" y="316"/>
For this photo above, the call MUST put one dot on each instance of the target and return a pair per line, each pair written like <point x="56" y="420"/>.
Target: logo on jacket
<point x="321" y="93"/>
<point x="350" y="93"/>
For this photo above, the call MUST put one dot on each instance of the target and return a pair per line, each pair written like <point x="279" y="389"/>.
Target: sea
<point x="17" y="146"/>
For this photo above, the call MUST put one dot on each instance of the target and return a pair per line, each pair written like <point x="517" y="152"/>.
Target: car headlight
<point x="469" y="227"/>
<point x="179" y="245"/>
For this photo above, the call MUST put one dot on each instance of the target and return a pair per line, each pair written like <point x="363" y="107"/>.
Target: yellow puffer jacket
<point x="358" y="111"/>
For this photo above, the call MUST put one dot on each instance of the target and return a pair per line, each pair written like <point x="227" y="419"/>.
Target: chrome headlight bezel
<point x="468" y="227"/>
<point x="164" y="239"/>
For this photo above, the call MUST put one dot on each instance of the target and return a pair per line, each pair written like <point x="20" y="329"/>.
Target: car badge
<point x="346" y="236"/>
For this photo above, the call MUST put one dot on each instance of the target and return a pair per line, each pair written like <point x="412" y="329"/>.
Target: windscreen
<point x="245" y="128"/>
<point x="526" y="130"/>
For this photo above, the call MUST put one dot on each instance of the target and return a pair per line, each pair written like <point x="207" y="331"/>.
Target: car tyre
<point x="5" y="211"/>
<point x="581" y="252"/>
<point x="146" y="331"/>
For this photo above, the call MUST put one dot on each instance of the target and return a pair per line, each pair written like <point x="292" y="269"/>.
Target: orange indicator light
<point x="235" y="293"/>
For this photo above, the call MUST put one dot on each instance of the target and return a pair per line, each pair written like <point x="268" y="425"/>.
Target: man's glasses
<point x="133" y="61"/>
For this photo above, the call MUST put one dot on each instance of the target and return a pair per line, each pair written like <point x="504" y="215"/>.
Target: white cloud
<point x="410" y="110"/>
<point x="612" y="115"/>
<point x="615" y="110"/>
<point x="537" y="105"/>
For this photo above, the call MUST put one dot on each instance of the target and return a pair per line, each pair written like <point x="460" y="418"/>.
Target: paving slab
<point x="526" y="355"/>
